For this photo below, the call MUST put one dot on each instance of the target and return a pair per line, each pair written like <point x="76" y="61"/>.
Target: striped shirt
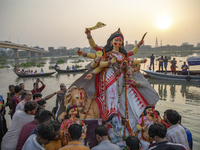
<point x="176" y="134"/>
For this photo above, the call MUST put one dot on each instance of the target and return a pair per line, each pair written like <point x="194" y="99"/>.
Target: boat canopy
<point x="192" y="61"/>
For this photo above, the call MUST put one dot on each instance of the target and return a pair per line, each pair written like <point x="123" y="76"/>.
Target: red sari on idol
<point x="115" y="103"/>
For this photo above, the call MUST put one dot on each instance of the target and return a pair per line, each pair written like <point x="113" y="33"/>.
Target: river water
<point x="181" y="96"/>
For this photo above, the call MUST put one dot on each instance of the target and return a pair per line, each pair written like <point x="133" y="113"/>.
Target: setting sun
<point x="163" y="22"/>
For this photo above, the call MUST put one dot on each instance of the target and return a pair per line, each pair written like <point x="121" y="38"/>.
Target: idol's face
<point x="73" y="112"/>
<point x="117" y="41"/>
<point x="150" y="111"/>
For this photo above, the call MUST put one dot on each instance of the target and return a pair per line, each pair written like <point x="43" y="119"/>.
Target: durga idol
<point x="114" y="91"/>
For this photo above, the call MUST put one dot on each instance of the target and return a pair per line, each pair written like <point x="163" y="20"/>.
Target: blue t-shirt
<point x="74" y="68"/>
<point x="184" y="68"/>
<point x="152" y="58"/>
<point x="165" y="61"/>
<point x="189" y="137"/>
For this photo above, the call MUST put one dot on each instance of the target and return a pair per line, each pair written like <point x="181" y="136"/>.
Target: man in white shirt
<point x="20" y="118"/>
<point x="27" y="97"/>
<point x="41" y="71"/>
<point x="175" y="132"/>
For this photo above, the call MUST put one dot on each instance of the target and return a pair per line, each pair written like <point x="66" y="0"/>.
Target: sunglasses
<point x="61" y="86"/>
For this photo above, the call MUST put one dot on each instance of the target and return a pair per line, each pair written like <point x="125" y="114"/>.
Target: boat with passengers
<point x="19" y="74"/>
<point x="192" y="76"/>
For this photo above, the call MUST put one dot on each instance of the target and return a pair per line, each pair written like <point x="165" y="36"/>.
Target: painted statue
<point x="71" y="117"/>
<point x="146" y="120"/>
<point x="116" y="130"/>
<point x="78" y="97"/>
<point x="111" y="85"/>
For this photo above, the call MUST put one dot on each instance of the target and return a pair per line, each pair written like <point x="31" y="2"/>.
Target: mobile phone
<point x="38" y="79"/>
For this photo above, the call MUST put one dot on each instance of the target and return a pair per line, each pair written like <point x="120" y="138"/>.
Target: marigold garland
<point x="105" y="72"/>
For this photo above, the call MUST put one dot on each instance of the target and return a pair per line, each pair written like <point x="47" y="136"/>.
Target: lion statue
<point x="78" y="97"/>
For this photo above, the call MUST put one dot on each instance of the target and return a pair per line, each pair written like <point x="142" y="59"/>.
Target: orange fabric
<point x="53" y="145"/>
<point x="75" y="145"/>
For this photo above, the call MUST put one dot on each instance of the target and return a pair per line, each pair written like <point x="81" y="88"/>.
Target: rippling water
<point x="181" y="96"/>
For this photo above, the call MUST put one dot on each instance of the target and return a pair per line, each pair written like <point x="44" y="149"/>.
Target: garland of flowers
<point x="105" y="72"/>
<point x="126" y="124"/>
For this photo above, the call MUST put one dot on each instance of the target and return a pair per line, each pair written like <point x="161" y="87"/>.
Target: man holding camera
<point x="36" y="87"/>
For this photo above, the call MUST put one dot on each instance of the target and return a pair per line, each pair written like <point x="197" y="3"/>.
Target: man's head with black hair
<point x="43" y="115"/>
<point x="37" y="96"/>
<point x="35" y="84"/>
<point x="172" y="117"/>
<point x="18" y="89"/>
<point x="30" y="107"/>
<point x="22" y="86"/>
<point x="46" y="133"/>
<point x="101" y="130"/>
<point x="27" y="95"/>
<point x="158" y="131"/>
<point x="132" y="143"/>
<point x="42" y="103"/>
<point x="165" y="115"/>
<point x="75" y="131"/>
<point x="37" y="114"/>
<point x="101" y="133"/>
<point x="11" y="89"/>
<point x="56" y="126"/>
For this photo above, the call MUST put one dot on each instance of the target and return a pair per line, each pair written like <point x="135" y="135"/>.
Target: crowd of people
<point x="35" y="128"/>
<point x="164" y="61"/>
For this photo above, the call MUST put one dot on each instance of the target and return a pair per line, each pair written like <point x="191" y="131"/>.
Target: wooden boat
<point x="69" y="71"/>
<point x="193" y="75"/>
<point x="33" y="75"/>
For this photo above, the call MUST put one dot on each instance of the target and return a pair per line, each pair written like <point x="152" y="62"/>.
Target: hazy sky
<point x="47" y="23"/>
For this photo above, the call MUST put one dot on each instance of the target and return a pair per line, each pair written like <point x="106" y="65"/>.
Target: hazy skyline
<point x="55" y="23"/>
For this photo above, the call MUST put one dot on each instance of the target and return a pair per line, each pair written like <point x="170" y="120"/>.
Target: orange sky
<point x="47" y="23"/>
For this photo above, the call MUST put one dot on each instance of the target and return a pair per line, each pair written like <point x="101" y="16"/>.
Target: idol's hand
<point x="113" y="60"/>
<point x="80" y="53"/>
<point x="89" y="76"/>
<point x="145" y="127"/>
<point x="141" y="42"/>
<point x="88" y="32"/>
<point x="137" y="67"/>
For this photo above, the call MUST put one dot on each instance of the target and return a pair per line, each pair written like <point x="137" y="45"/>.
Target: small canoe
<point x="69" y="71"/>
<point x="34" y="75"/>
